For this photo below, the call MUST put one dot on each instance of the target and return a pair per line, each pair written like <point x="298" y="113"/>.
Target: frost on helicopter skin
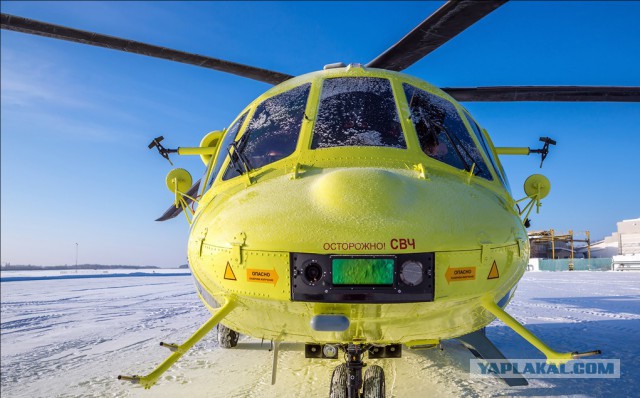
<point x="357" y="112"/>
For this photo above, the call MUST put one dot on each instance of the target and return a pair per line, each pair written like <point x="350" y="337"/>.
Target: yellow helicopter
<point x="355" y="209"/>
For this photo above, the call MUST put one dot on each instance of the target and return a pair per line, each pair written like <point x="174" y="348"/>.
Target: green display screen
<point x="362" y="271"/>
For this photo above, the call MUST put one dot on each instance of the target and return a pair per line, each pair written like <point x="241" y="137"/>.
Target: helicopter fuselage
<point x="380" y="231"/>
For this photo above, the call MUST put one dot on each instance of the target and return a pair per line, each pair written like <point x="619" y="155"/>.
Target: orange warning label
<point x="493" y="272"/>
<point x="262" y="276"/>
<point x="228" y="273"/>
<point x="460" y="274"/>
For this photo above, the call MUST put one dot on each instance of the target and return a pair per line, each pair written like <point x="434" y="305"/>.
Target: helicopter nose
<point x="354" y="191"/>
<point x="358" y="204"/>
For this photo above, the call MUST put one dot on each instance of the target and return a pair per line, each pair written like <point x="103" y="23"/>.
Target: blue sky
<point x="76" y="120"/>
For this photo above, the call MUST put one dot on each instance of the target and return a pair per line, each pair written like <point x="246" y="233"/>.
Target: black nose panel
<point x="362" y="279"/>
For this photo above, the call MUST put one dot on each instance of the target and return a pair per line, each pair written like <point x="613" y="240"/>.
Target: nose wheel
<point x="227" y="338"/>
<point x="347" y="380"/>
<point x="374" y="382"/>
<point x="339" y="380"/>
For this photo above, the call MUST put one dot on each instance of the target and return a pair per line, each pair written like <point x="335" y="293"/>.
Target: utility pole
<point x="76" y="257"/>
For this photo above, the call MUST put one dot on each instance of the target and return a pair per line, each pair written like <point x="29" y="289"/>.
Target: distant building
<point x="553" y="245"/>
<point x="626" y="241"/>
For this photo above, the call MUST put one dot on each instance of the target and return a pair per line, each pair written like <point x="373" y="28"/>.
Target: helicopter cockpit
<point x="355" y="111"/>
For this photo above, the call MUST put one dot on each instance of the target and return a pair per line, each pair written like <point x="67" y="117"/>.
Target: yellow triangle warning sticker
<point x="493" y="272"/>
<point x="228" y="273"/>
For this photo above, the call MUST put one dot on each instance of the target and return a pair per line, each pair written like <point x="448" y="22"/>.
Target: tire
<point x="227" y="338"/>
<point x="339" y="382"/>
<point x="374" y="386"/>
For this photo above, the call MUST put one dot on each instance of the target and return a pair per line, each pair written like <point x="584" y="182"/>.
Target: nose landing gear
<point x="347" y="380"/>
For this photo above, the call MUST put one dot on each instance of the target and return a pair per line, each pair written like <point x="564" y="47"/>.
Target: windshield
<point x="223" y="149"/>
<point x="487" y="149"/>
<point x="272" y="133"/>
<point x="357" y="111"/>
<point x="441" y="132"/>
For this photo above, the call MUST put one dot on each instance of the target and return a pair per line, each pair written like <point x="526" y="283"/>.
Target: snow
<point x="72" y="337"/>
<point x="90" y="273"/>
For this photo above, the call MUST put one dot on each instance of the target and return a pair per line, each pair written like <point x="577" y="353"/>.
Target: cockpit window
<point x="357" y="111"/>
<point x="487" y="149"/>
<point x="441" y="132"/>
<point x="272" y="133"/>
<point x="223" y="150"/>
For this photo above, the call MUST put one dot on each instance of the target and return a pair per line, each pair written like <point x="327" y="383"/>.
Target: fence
<point x="579" y="264"/>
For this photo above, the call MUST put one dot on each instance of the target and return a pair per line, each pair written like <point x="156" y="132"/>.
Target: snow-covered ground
<point x="88" y="273"/>
<point x="72" y="337"/>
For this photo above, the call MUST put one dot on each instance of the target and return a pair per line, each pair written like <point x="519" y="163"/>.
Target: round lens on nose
<point x="411" y="273"/>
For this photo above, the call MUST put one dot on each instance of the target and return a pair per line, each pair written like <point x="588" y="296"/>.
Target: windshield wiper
<point x="237" y="158"/>
<point x="457" y="143"/>
<point x="454" y="144"/>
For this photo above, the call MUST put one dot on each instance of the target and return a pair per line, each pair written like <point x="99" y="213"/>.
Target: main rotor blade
<point x="546" y="93"/>
<point x="25" y="25"/>
<point x="441" y="26"/>
<point x="173" y="211"/>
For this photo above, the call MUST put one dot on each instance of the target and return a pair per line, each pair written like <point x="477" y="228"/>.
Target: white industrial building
<point x="625" y="241"/>
<point x="623" y="246"/>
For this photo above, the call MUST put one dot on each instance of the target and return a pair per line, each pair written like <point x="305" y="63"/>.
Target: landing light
<point x="330" y="351"/>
